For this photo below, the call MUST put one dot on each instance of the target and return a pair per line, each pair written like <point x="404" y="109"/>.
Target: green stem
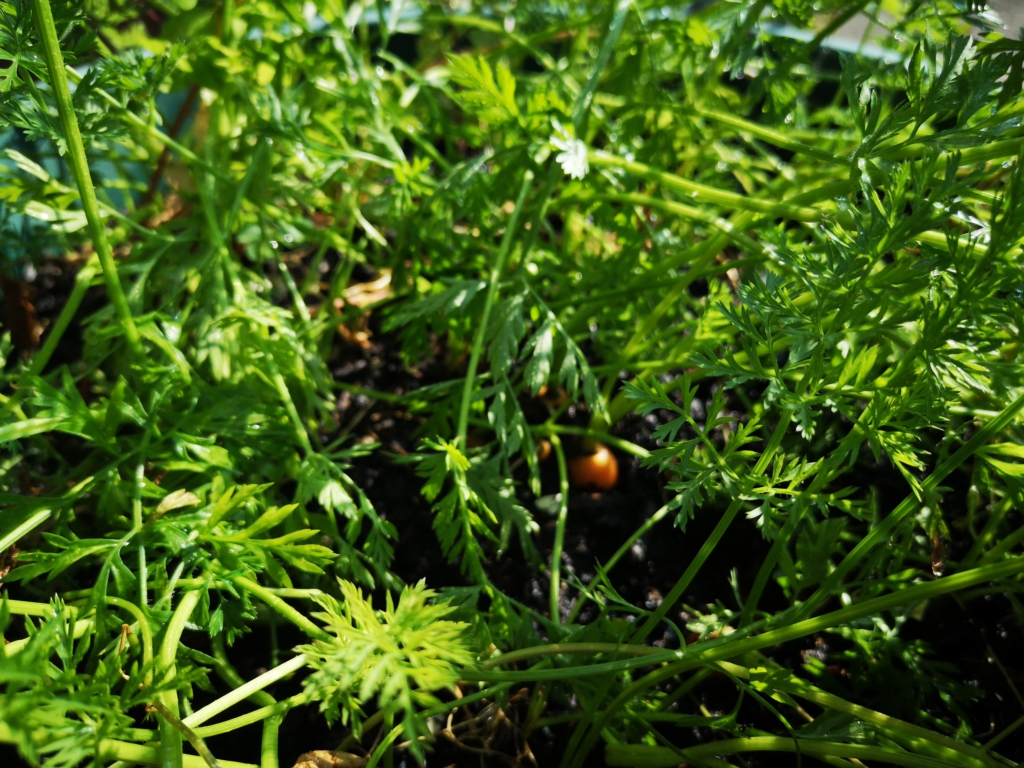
<point x="150" y="130"/>
<point x="137" y="523"/>
<point x="586" y="96"/>
<point x="80" y="169"/>
<point x="704" y="193"/>
<point x="80" y="628"/>
<point x="575" y="301"/>
<point x="717" y="534"/>
<point x="552" y="429"/>
<point x="268" y="748"/>
<point x="604" y="668"/>
<point x="144" y="629"/>
<point x="558" y="649"/>
<point x="688" y="212"/>
<point x="112" y="749"/>
<point x="245" y="691"/>
<point x="279" y="708"/>
<point x="42" y="610"/>
<point x="825" y="475"/>
<point x="375" y="719"/>
<point x="286" y="396"/>
<point x="188" y="733"/>
<point x="767" y="134"/>
<point x="830" y="701"/>
<point x="643" y="756"/>
<point x="563" y="514"/>
<point x="710" y="249"/>
<point x="1007" y="731"/>
<point x="384" y="746"/>
<point x="230" y="675"/>
<point x="649" y="523"/>
<point x="836" y="22"/>
<point x="492" y="291"/>
<point x="227" y="20"/>
<point x="1005" y="544"/>
<point x="281" y="607"/>
<point x="782" y="540"/>
<point x="82" y="282"/>
<point x="723" y="649"/>
<point x="170" y="737"/>
<point x="909" y="505"/>
<point x="734" y="201"/>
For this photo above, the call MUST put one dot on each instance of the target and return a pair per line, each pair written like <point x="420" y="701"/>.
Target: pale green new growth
<point x="398" y="656"/>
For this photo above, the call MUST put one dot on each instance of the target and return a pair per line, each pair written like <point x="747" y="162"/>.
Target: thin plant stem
<point x="687" y="212"/>
<point x="599" y="669"/>
<point x="563" y="513"/>
<point x="271" y="728"/>
<point x="831" y="701"/>
<point x="484" y="693"/>
<point x="188" y="733"/>
<point x="710" y="249"/>
<point x="804" y="690"/>
<point x="767" y="134"/>
<point x="67" y="313"/>
<point x="649" y="523"/>
<point x="716" y="535"/>
<point x="603" y="296"/>
<point x="24" y="528"/>
<point x="230" y="675"/>
<point x="243" y="692"/>
<point x="586" y="96"/>
<point x="492" y="292"/>
<point x="734" y="201"/>
<point x="80" y="170"/>
<point x="385" y="746"/>
<point x="1003" y="734"/>
<point x="705" y="194"/>
<point x="1006" y="543"/>
<point x="130" y="754"/>
<point x="145" y="629"/>
<point x="644" y="756"/>
<point x="783" y="538"/>
<point x="286" y="396"/>
<point x="910" y="504"/>
<point x="262" y="149"/>
<point x="79" y="629"/>
<point x="684" y="688"/>
<point x="226" y="726"/>
<point x="143" y="576"/>
<point x="42" y="610"/>
<point x="558" y="649"/>
<point x="227" y="21"/>
<point x="726" y="648"/>
<point x="171" y="737"/>
<point x="150" y="130"/>
<point x="551" y="429"/>
<point x="281" y="607"/>
<point x="836" y="22"/>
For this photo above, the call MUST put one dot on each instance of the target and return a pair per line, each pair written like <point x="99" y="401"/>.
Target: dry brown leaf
<point x="364" y="294"/>
<point x="324" y="758"/>
<point x="8" y="559"/>
<point x="174" y="207"/>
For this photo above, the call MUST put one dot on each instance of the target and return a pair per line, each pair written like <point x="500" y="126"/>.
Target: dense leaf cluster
<point x="797" y="266"/>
